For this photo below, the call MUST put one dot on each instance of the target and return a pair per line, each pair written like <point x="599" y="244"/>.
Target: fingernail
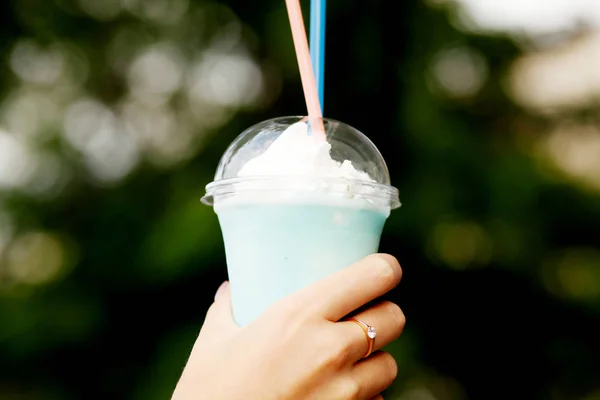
<point x="220" y="289"/>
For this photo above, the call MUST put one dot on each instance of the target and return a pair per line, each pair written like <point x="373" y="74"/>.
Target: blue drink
<point x="273" y="250"/>
<point x="295" y="207"/>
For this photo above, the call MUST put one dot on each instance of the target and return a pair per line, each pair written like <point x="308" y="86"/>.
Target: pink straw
<point x="307" y="74"/>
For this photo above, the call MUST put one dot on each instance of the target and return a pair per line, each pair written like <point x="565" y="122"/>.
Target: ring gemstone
<point x="371" y="332"/>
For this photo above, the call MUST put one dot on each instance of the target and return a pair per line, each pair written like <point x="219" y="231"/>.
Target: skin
<point x="302" y="347"/>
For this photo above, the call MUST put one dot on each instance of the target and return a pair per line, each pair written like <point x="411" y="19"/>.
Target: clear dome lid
<point x="285" y="148"/>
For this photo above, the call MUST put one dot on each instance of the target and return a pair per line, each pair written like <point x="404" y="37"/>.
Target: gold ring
<point x="370" y="332"/>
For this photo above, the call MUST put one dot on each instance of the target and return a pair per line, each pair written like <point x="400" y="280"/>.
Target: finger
<point x="387" y="319"/>
<point x="218" y="326"/>
<point x="378" y="397"/>
<point x="346" y="290"/>
<point x="374" y="374"/>
<point x="219" y="318"/>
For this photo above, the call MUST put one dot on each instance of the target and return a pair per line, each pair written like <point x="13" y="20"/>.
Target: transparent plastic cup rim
<point x="302" y="185"/>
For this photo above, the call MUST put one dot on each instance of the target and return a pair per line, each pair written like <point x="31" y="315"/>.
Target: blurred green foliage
<point x="113" y="117"/>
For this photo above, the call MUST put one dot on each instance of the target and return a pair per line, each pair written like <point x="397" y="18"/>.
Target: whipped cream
<point x="296" y="153"/>
<point x="297" y="168"/>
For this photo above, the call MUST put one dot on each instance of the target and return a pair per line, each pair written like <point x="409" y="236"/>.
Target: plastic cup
<point x="294" y="224"/>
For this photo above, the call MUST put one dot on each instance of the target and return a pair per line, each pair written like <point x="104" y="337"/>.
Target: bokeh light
<point x="459" y="71"/>
<point x="561" y="78"/>
<point x="531" y="17"/>
<point x="156" y="71"/>
<point x="36" y="65"/>
<point x="227" y="80"/>
<point x="34" y="259"/>
<point x="574" y="274"/>
<point x="461" y="244"/>
<point x="106" y="149"/>
<point x="17" y="161"/>
<point x="574" y="150"/>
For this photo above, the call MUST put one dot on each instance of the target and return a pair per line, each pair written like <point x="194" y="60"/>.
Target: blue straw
<point x="318" y="9"/>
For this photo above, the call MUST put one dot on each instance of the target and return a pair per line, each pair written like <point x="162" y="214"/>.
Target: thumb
<point x="219" y="318"/>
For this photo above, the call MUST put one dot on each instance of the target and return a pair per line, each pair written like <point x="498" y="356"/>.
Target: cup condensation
<point x="293" y="219"/>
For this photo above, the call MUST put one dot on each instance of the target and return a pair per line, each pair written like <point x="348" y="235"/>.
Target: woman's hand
<point x="300" y="348"/>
